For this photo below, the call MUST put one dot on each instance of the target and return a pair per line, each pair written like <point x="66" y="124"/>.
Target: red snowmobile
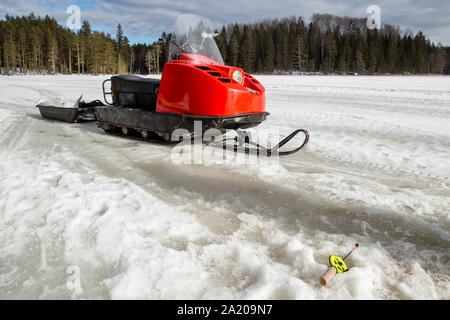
<point x="196" y="87"/>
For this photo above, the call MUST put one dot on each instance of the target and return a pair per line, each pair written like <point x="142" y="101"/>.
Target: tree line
<point x="327" y="44"/>
<point x="31" y="44"/>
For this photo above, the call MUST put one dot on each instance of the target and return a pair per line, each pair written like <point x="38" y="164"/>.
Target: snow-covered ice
<point x="119" y="216"/>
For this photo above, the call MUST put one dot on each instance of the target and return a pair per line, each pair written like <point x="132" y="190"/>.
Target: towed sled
<point x="52" y="106"/>
<point x="197" y="92"/>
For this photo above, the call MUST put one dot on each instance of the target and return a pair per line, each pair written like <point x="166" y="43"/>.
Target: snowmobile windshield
<point x="193" y="40"/>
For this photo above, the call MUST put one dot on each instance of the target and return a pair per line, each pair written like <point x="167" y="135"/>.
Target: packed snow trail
<point x="133" y="224"/>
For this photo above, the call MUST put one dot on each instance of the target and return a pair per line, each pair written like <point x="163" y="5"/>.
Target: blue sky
<point x="144" y="20"/>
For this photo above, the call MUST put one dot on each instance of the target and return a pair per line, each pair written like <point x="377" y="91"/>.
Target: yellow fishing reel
<point x="338" y="263"/>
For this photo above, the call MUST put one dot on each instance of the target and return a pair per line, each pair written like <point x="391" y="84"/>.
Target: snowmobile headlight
<point x="237" y="76"/>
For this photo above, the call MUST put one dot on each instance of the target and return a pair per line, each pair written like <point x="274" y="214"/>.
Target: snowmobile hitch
<point x="243" y="143"/>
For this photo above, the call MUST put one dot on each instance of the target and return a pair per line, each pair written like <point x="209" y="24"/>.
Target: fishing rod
<point x="337" y="265"/>
<point x="354" y="248"/>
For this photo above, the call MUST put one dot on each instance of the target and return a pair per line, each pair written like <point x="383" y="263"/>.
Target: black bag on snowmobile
<point x="133" y="91"/>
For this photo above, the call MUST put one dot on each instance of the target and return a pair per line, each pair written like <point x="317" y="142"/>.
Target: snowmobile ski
<point x="243" y="143"/>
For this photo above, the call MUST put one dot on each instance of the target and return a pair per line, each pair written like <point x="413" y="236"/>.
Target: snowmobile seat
<point x="135" y="92"/>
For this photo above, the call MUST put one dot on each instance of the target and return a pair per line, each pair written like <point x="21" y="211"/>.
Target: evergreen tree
<point x="330" y="53"/>
<point x="120" y="44"/>
<point x="312" y="48"/>
<point x="109" y="59"/>
<point x="234" y="47"/>
<point x="248" y="54"/>
<point x="420" y="44"/>
<point x="52" y="52"/>
<point x="22" y="48"/>
<point x="359" y="61"/>
<point x="85" y="45"/>
<point x="10" y="54"/>
<point x="269" y="56"/>
<point x="373" y="56"/>
<point x="69" y="40"/>
<point x="392" y="53"/>
<point x="344" y="53"/>
<point x="283" y="61"/>
<point x="222" y="43"/>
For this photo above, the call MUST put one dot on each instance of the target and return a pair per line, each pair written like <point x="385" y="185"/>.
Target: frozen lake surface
<point x="88" y="215"/>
